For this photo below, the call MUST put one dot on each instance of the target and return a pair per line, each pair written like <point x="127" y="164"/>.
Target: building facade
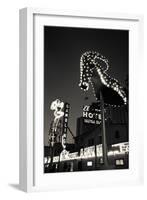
<point x="86" y="153"/>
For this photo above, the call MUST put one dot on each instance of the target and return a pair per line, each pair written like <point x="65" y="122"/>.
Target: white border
<point x="31" y="100"/>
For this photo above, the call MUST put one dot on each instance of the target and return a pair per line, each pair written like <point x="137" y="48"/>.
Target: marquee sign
<point x="121" y="147"/>
<point x="56" y="159"/>
<point x="87" y="152"/>
<point x="99" y="151"/>
<point x="64" y="155"/>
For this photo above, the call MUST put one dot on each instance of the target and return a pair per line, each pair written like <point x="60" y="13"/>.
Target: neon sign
<point x="65" y="124"/>
<point x="93" y="63"/>
<point x="57" y="107"/>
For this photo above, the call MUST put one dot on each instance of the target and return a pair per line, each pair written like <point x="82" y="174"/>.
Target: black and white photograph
<point x="86" y="99"/>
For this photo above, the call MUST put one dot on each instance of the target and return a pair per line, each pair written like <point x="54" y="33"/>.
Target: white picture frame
<point x="31" y="97"/>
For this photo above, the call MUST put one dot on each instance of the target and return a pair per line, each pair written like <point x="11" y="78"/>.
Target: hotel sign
<point x="91" y="115"/>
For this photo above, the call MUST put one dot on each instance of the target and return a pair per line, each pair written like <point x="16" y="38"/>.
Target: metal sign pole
<point x="104" y="139"/>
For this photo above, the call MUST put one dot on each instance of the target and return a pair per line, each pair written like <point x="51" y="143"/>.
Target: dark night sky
<point x="63" y="48"/>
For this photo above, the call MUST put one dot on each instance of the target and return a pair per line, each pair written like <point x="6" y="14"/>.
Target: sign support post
<point x="104" y="138"/>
